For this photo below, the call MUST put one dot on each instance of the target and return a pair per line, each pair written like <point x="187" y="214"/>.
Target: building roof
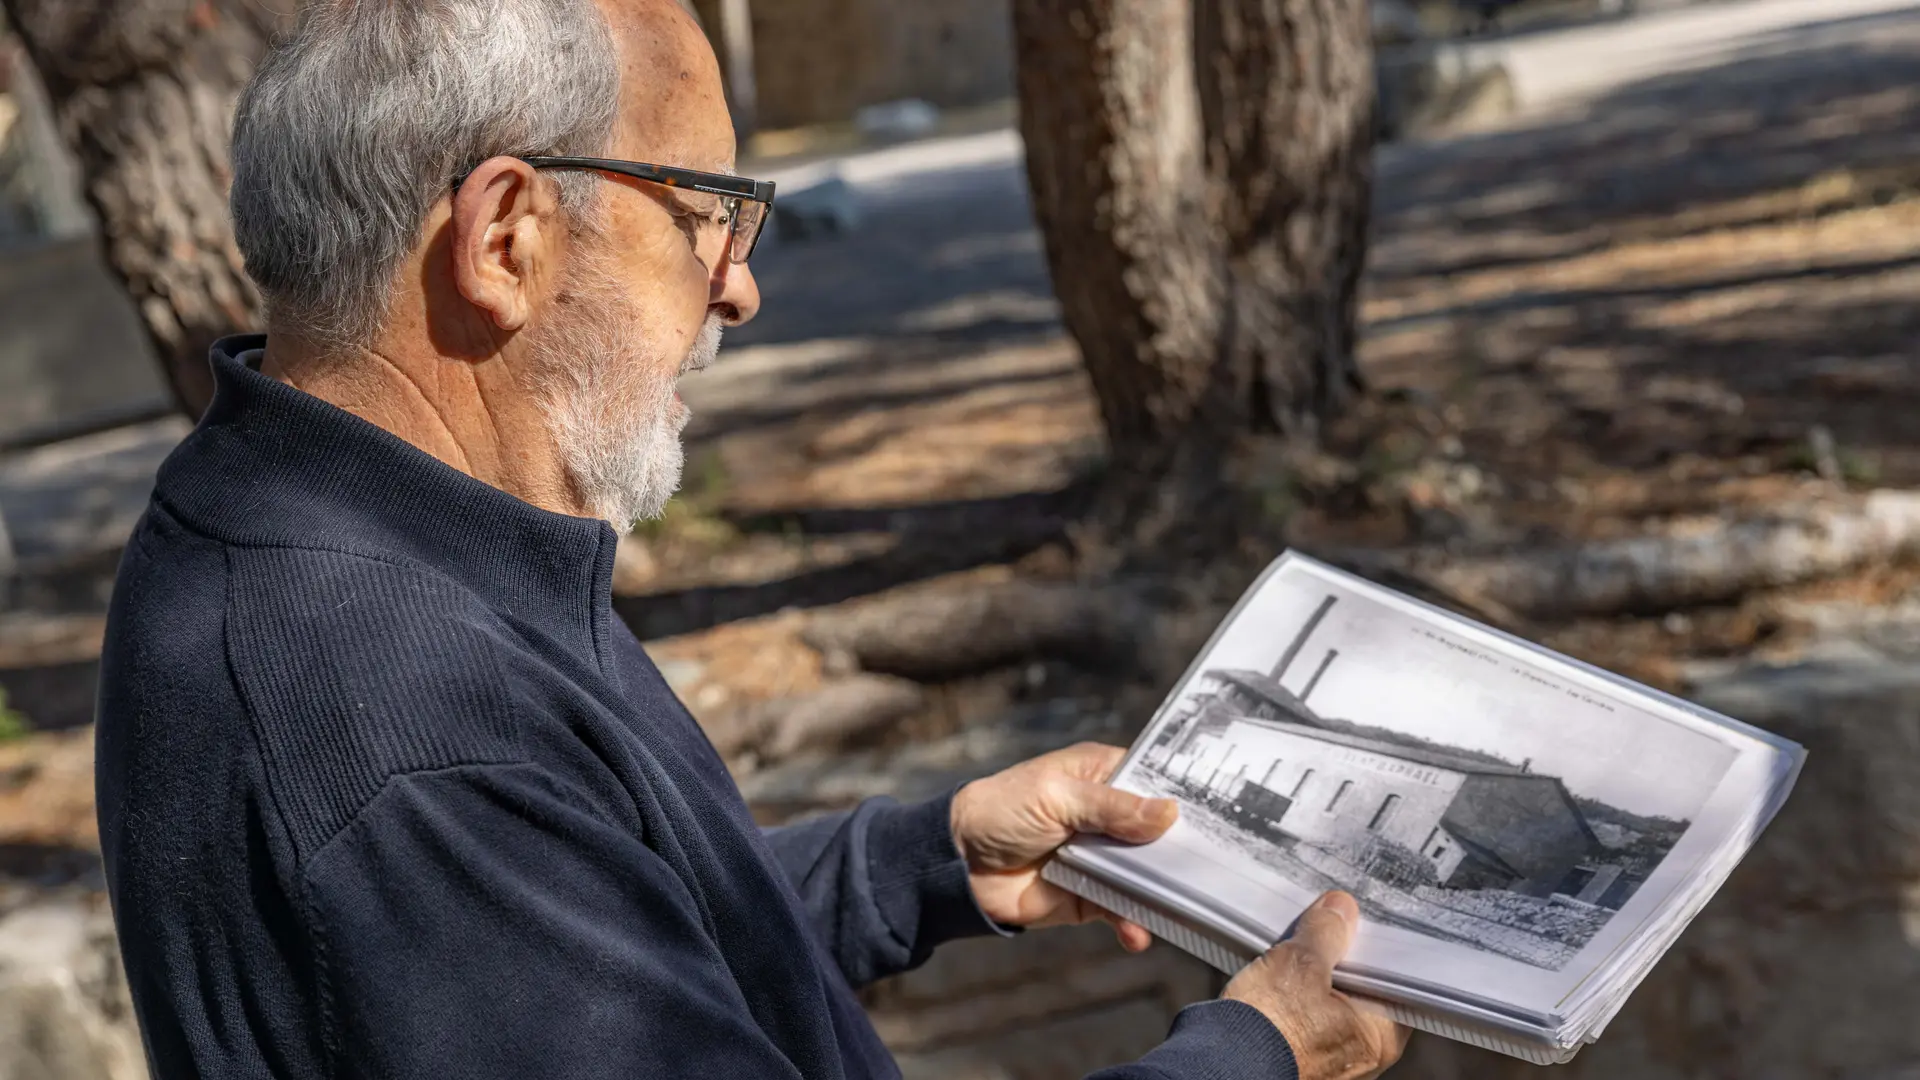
<point x="1419" y="755"/>
<point x="1314" y="725"/>
<point x="1266" y="686"/>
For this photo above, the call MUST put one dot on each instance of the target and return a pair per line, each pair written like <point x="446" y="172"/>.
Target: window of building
<point x="1267" y="780"/>
<point x="1384" y="814"/>
<point x="1301" y="784"/>
<point x="1338" y="795"/>
<point x="1432" y="835"/>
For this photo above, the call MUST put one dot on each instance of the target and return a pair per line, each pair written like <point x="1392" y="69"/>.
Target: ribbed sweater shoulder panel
<point x="354" y="670"/>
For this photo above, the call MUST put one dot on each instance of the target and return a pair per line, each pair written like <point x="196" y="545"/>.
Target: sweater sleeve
<point x="445" y="950"/>
<point x="1214" y="1040"/>
<point x="883" y="883"/>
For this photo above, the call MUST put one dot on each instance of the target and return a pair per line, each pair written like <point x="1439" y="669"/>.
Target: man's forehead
<point x="673" y="109"/>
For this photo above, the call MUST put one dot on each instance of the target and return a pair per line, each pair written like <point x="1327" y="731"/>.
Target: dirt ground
<point x="1698" y="293"/>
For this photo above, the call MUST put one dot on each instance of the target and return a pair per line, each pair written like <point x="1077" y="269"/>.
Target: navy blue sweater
<point x="385" y="790"/>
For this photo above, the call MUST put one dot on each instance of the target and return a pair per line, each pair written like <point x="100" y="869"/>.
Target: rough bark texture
<point x="1286" y="99"/>
<point x="144" y="92"/>
<point x="1200" y="171"/>
<point x="1114" y="152"/>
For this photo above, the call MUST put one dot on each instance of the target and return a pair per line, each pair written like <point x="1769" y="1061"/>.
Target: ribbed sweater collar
<point x="270" y="465"/>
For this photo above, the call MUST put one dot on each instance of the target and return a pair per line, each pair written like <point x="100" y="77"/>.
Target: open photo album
<point x="1526" y="834"/>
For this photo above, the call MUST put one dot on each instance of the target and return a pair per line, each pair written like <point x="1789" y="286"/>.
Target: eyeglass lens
<point x="747" y="217"/>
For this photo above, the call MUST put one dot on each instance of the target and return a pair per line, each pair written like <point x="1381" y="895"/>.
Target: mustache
<point x="705" y="347"/>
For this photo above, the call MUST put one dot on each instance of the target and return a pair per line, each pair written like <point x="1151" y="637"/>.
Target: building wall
<point x="1446" y="852"/>
<point x="817" y="61"/>
<point x="1541" y="833"/>
<point x="1211" y="718"/>
<point x="72" y="350"/>
<point x="1243" y="751"/>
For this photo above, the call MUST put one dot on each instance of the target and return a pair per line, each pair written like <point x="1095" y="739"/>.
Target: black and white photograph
<point x="1329" y="741"/>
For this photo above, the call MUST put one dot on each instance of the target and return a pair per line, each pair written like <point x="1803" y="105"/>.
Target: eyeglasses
<point x="745" y="202"/>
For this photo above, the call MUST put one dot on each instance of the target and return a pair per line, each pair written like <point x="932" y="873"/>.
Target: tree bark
<point x="1287" y="98"/>
<point x="1114" y="152"/>
<point x="1201" y="174"/>
<point x="144" y="93"/>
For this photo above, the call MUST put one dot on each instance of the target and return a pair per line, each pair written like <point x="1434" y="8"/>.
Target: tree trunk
<point x="144" y="92"/>
<point x="1287" y="97"/>
<point x="1114" y="153"/>
<point x="1201" y="175"/>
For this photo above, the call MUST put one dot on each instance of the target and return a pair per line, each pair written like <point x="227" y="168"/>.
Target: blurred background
<point x="1592" y="319"/>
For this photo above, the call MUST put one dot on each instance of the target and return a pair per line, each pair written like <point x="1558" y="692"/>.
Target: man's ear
<point x="504" y="224"/>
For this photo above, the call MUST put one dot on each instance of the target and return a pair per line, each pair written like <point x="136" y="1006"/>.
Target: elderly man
<point x="385" y="789"/>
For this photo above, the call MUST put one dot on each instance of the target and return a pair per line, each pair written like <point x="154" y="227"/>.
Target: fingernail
<point x="1340" y="904"/>
<point x="1159" y="812"/>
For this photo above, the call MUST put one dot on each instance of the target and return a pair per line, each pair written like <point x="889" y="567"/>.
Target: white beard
<point x="615" y="422"/>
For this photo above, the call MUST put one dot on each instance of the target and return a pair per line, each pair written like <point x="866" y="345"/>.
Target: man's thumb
<point x="1093" y="807"/>
<point x="1325" y="930"/>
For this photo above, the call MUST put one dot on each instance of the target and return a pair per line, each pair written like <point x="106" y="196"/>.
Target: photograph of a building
<point x="1455" y="842"/>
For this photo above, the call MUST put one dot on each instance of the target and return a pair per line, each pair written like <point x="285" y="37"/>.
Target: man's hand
<point x="1333" y="1037"/>
<point x="1007" y="825"/>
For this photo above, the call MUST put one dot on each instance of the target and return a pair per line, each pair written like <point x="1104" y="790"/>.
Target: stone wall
<point x="817" y="61"/>
<point x="72" y="350"/>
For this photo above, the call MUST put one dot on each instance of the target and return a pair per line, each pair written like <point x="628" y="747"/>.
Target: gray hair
<point x="354" y="126"/>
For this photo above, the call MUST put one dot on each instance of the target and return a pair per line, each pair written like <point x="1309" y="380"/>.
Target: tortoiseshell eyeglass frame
<point x="747" y="202"/>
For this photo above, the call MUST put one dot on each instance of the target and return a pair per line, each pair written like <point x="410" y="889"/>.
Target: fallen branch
<point x="932" y="636"/>
<point x="1692" y="564"/>
<point x="835" y="715"/>
<point x="838" y="714"/>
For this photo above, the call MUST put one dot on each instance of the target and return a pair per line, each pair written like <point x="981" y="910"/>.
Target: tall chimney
<point x="1319" y="671"/>
<point x="1300" y="639"/>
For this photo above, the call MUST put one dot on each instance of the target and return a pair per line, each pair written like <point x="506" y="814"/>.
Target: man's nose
<point x="736" y="297"/>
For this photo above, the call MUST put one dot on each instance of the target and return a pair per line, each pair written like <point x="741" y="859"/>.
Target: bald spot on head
<point x="673" y="106"/>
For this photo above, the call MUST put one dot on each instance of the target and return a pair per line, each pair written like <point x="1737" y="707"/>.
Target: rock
<point x="1427" y="89"/>
<point x="830" y="207"/>
<point x="907" y="119"/>
<point x="681" y="675"/>
<point x="1057" y="1046"/>
<point x="1051" y="1003"/>
<point x="1805" y="963"/>
<point x="64" y="1009"/>
<point x="1395" y="22"/>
